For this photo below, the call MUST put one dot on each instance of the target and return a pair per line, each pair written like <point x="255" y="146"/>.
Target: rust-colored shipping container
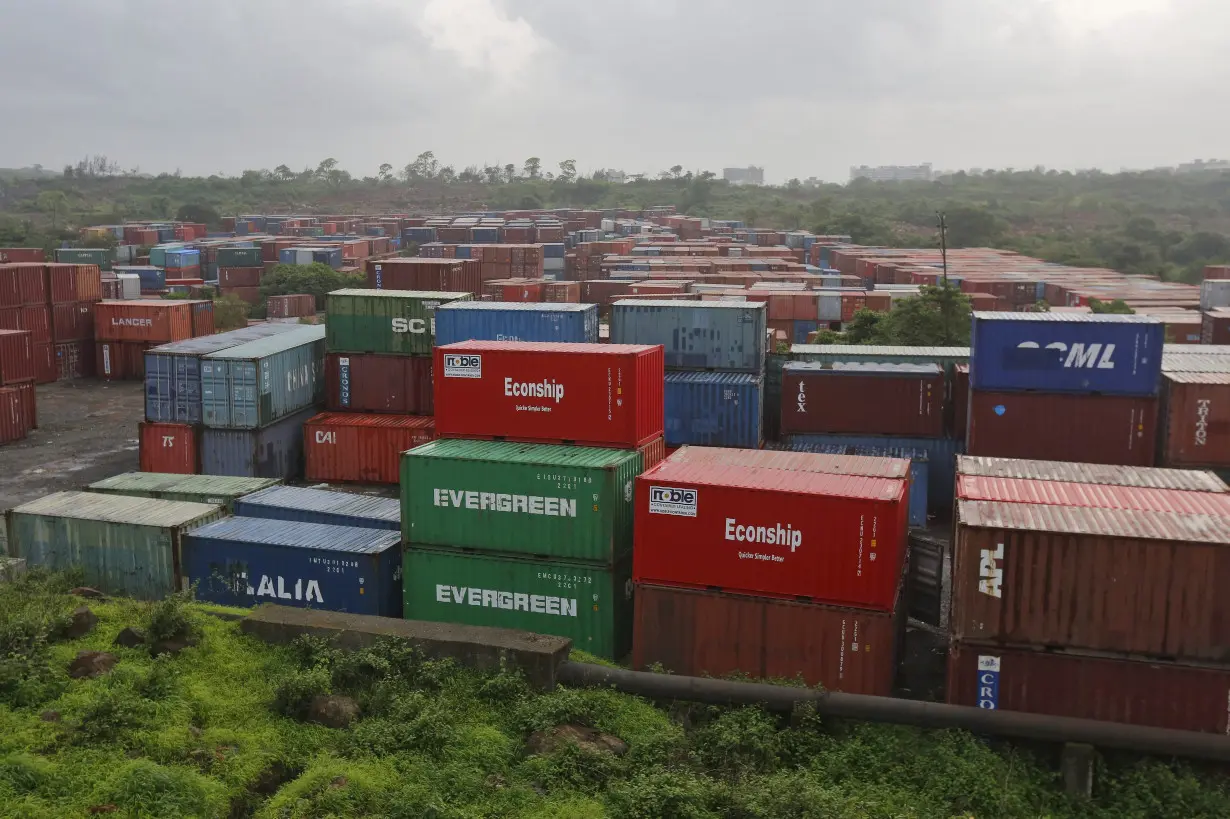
<point x="172" y="448"/>
<point x="1186" y="479"/>
<point x="72" y="321"/>
<point x="1214" y="326"/>
<point x="871" y="399"/>
<point x="34" y="320"/>
<point x="1196" y="425"/>
<point x="36" y="255"/>
<point x="202" y="317"/>
<point x="16" y="357"/>
<point x="14" y="425"/>
<point x="1100" y="429"/>
<point x="121" y="360"/>
<point x="73" y="359"/>
<point x="44" y="364"/>
<point x="240" y="276"/>
<point x="29" y="399"/>
<point x="146" y="320"/>
<point x="294" y="306"/>
<point x="522" y="291"/>
<point x="1066" y="684"/>
<point x="22" y="284"/>
<point x="252" y="295"/>
<point x="699" y="633"/>
<point x="365" y="382"/>
<point x="73" y="282"/>
<point x="440" y="275"/>
<point x="349" y="447"/>
<point x="1144" y="583"/>
<point x="960" y="401"/>
<point x="1092" y="495"/>
<point x="565" y="292"/>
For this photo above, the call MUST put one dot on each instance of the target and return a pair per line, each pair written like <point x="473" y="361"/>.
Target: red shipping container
<point x="837" y="539"/>
<point x="341" y="446"/>
<point x="122" y="360"/>
<point x="16" y="357"/>
<point x="567" y="292"/>
<point x="145" y="320"/>
<point x="44" y="364"/>
<point x="34" y="320"/>
<point x="1196" y="430"/>
<point x="851" y="303"/>
<point x="588" y="394"/>
<point x="14" y="426"/>
<point x="36" y="255"/>
<point x="365" y="382"/>
<point x="705" y="633"/>
<point x="202" y="317"/>
<point x="872" y="399"/>
<point x="240" y="276"/>
<point x="960" y="401"/>
<point x="172" y="448"/>
<point x="74" y="359"/>
<point x="1096" y="429"/>
<point x="252" y="295"/>
<point x="72" y="322"/>
<point x="10" y="289"/>
<point x="1090" y="495"/>
<point x="525" y="291"/>
<point x="301" y="304"/>
<point x="442" y="275"/>
<point x="29" y="399"/>
<point x="73" y="282"/>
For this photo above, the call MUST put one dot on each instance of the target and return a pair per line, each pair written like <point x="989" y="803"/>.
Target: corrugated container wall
<point x="14" y="420"/>
<point x="1185" y="479"/>
<point x="1196" y="427"/>
<point x="385" y="321"/>
<point x="16" y="357"/>
<point x="149" y="320"/>
<point x="255" y="384"/>
<point x="714" y="409"/>
<point x="275" y="451"/>
<point x="513" y="321"/>
<point x="360" y="382"/>
<point x="169" y="448"/>
<point x="309" y="505"/>
<point x="919" y="460"/>
<point x="1092" y="496"/>
<point x="351" y="447"/>
<point x="875" y="399"/>
<point x="216" y="490"/>
<point x="696" y="335"/>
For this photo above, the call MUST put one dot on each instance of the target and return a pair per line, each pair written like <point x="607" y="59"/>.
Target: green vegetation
<point x="218" y="731"/>
<point x="938" y="317"/>
<point x="317" y="279"/>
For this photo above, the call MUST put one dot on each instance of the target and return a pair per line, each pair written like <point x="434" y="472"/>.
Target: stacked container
<point x="715" y="360"/>
<point x="773" y="564"/>
<point x="55" y="304"/>
<point x="1065" y="386"/>
<point x="240" y="270"/>
<point x="124" y="330"/>
<point x="18" y="408"/>
<point x="522" y="518"/>
<point x="1127" y="624"/>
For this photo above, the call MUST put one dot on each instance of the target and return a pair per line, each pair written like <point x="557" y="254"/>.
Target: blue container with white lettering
<point x="244" y="561"/>
<point x="919" y="468"/>
<point x="306" y="505"/>
<point x="516" y="321"/>
<point x="714" y="409"/>
<point x="1066" y="352"/>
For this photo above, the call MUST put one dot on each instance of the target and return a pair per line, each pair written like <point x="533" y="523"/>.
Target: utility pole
<point x="946" y="295"/>
<point x="944" y="243"/>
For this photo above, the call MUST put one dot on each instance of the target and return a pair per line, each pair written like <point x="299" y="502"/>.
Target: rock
<point x="272" y="778"/>
<point x="50" y="716"/>
<point x="339" y="782"/>
<point x="81" y="622"/>
<point x="196" y="732"/>
<point x="172" y="646"/>
<point x="130" y="638"/>
<point x="87" y="592"/>
<point x="587" y="739"/>
<point x="333" y="711"/>
<point x="91" y="664"/>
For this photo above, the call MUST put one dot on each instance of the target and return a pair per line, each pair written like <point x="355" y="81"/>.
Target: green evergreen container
<point x="217" y="490"/>
<point x="125" y="546"/>
<point x="560" y="502"/>
<point x="589" y="604"/>
<point x="102" y="257"/>
<point x="240" y="257"/>
<point x="384" y="321"/>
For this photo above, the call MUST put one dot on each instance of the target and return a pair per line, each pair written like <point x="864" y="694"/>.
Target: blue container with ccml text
<point x="1066" y="352"/>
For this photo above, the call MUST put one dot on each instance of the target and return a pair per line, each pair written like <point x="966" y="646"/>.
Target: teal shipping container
<point x="255" y="384"/>
<point x="124" y="546"/>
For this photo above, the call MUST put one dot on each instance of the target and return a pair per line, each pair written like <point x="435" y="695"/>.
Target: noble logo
<point x="670" y="500"/>
<point x="463" y="365"/>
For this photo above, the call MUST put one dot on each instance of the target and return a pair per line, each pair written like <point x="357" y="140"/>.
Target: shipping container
<point x="72" y="282"/>
<point x="359" y="382"/>
<point x="876" y="399"/>
<point x="16" y="357"/>
<point x="1083" y="686"/>
<point x="302" y="304"/>
<point x="22" y="285"/>
<point x="102" y="258"/>
<point x="240" y="276"/>
<point x="919" y="460"/>
<point x="245" y="561"/>
<point x="128" y="547"/>
<point x="169" y="448"/>
<point x="1099" y="429"/>
<point x="72" y="322"/>
<point x="960" y="401"/>
<point x="385" y="321"/>
<point x="22" y="254"/>
<point x="14" y="420"/>
<point x="239" y="257"/>
<point x="312" y="505"/>
<point x="34" y="320"/>
<point x="1067" y="352"/>
<point x="154" y="320"/>
<point x="202" y="317"/>
<point x="1196" y="423"/>
<point x="28" y="393"/>
<point x="946" y="357"/>
<point x="1184" y="479"/>
<point x="440" y="275"/>
<point x="826" y="538"/>
<point x="516" y="321"/>
<point x="258" y="383"/>
<point x="1144" y="583"/>
<point x="275" y="451"/>
<point x="119" y="360"/>
<point x="343" y="446"/>
<point x="560" y="502"/>
<point x="705" y="633"/>
<point x="710" y="335"/>
<point x="1092" y="496"/>
<point x="589" y="394"/>
<point x="591" y="605"/>
<point x="217" y="490"/>
<point x="714" y="409"/>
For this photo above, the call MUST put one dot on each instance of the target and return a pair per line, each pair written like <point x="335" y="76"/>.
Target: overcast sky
<point x="802" y="87"/>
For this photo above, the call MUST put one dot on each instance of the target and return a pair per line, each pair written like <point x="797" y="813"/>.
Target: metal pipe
<point x="1160" y="741"/>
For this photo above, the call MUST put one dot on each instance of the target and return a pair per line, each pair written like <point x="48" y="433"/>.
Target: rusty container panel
<point x="874" y="399"/>
<point x="446" y="275"/>
<point x="44" y="364"/>
<point x="169" y="448"/>
<point x="366" y="382"/>
<point x="22" y="284"/>
<point x="1063" y="684"/>
<point x="1149" y="478"/>
<point x="34" y="320"/>
<point x="706" y="633"/>
<point x="14" y="422"/>
<point x="16" y="357"/>
<point x="1092" y="496"/>
<point x="29" y="398"/>
<point x="240" y="276"/>
<point x="1144" y="583"/>
<point x="72" y="322"/>
<point x="1099" y="429"/>
<point x="121" y="360"/>
<point x="36" y="255"/>
<point x="143" y="320"/>
<point x="73" y="282"/>
<point x="1196" y="425"/>
<point x="960" y="401"/>
<point x="350" y="447"/>
<point x="202" y="318"/>
<point x="73" y="359"/>
<point x="294" y="306"/>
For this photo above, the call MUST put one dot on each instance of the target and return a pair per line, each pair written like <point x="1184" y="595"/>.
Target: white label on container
<point x="463" y="365"/>
<point x="991" y="571"/>
<point x="670" y="500"/>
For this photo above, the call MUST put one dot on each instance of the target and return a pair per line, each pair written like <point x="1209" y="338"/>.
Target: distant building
<point x="1200" y="165"/>
<point x="892" y="173"/>
<point x="751" y="175"/>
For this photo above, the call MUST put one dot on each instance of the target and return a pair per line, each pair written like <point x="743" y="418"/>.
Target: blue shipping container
<point x="306" y="505"/>
<point x="553" y="250"/>
<point x="516" y="321"/>
<point x="803" y="329"/>
<point x="183" y="258"/>
<point x="941" y="460"/>
<point x="710" y="335"/>
<point x="151" y="278"/>
<point x="248" y="561"/>
<point x="919" y="469"/>
<point x="714" y="409"/>
<point x="275" y="451"/>
<point x="331" y="256"/>
<point x="256" y="383"/>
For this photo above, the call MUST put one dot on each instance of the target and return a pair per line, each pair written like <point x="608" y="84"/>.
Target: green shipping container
<point x="158" y="253"/>
<point x="86" y="255"/>
<point x="384" y="321"/>
<point x="216" y="490"/>
<point x="565" y="502"/>
<point x="240" y="257"/>
<point x="590" y="605"/>
<point x="125" y="546"/>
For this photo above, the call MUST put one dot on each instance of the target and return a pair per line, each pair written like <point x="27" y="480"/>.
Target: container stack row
<point x="125" y="329"/>
<point x="55" y="304"/>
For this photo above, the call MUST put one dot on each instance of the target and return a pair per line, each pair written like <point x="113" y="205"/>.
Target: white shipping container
<point x="1214" y="293"/>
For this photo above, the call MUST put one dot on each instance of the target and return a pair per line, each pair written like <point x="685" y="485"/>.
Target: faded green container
<point x="125" y="546"/>
<point x="216" y="490"/>
<point x="590" y="605"/>
<point x="384" y="321"/>
<point x="565" y="502"/>
<point x="158" y="253"/>
<point x="946" y="357"/>
<point x="102" y="257"/>
<point x="240" y="257"/>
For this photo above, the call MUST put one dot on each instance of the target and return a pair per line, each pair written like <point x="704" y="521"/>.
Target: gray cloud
<point x="805" y="88"/>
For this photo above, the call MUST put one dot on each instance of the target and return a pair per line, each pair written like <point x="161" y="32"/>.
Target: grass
<point x="213" y="732"/>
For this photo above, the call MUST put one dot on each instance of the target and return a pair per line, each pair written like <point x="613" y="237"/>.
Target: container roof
<point x="805" y="482"/>
<point x="168" y="482"/>
<point x="320" y="536"/>
<point x="520" y="306"/>
<point x="515" y="453"/>
<point x="117" y="509"/>
<point x="400" y="294"/>
<point x="1143" y="477"/>
<point x="323" y="500"/>
<point x="706" y="305"/>
<point x="864" y="368"/>
<point x="1067" y="318"/>
<point x="1115" y="523"/>
<point x="860" y="350"/>
<point x="300" y="335"/>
